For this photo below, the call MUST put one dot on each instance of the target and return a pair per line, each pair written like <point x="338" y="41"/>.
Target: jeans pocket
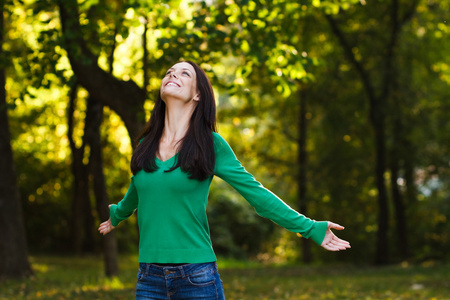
<point x="203" y="278"/>
<point x="140" y="275"/>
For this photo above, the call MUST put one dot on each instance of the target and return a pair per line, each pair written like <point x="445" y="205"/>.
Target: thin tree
<point x="378" y="101"/>
<point x="13" y="248"/>
<point x="82" y="221"/>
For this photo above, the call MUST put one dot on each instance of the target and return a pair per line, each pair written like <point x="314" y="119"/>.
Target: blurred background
<point x="339" y="107"/>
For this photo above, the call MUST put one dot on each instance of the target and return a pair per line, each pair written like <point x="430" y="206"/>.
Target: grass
<point x="82" y="278"/>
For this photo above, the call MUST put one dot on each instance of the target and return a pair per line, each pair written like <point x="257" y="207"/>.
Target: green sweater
<point x="171" y="209"/>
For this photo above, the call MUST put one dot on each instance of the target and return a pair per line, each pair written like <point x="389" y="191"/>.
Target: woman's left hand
<point x="331" y="242"/>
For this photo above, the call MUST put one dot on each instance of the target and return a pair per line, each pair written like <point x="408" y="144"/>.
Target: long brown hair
<point x="196" y="156"/>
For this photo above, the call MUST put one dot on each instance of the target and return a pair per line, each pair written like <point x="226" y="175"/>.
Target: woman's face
<point x="180" y="83"/>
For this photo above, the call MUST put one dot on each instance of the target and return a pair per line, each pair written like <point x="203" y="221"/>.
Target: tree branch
<point x="396" y="24"/>
<point x="410" y="12"/>
<point x="126" y="98"/>
<point x="358" y="66"/>
<point x="395" y="28"/>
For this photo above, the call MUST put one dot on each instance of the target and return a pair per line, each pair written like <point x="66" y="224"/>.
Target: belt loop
<point x="181" y="268"/>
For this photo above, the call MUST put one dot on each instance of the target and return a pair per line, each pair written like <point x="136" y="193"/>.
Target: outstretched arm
<point x="106" y="226"/>
<point x="331" y="242"/>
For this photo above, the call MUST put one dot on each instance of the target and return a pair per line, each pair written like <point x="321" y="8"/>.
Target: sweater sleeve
<point x="265" y="203"/>
<point x="126" y="206"/>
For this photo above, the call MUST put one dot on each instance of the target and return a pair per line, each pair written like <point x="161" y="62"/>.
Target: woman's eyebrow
<point x="183" y="69"/>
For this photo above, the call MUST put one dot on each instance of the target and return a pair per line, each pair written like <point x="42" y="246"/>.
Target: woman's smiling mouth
<point x="171" y="83"/>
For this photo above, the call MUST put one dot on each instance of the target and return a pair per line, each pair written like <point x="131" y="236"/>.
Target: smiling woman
<point x="178" y="154"/>
<point x="180" y="123"/>
<point x="180" y="82"/>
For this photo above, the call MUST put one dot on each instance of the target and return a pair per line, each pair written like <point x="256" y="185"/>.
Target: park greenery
<point x="340" y="107"/>
<point x="249" y="281"/>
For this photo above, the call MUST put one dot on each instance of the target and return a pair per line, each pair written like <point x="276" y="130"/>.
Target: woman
<point x="173" y="165"/>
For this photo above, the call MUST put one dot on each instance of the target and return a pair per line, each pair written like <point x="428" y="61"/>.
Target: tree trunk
<point x="109" y="243"/>
<point x="399" y="209"/>
<point x="145" y="58"/>
<point x="82" y="221"/>
<point x="382" y="243"/>
<point x="398" y="147"/>
<point x="411" y="190"/>
<point x="377" y="116"/>
<point x="13" y="248"/>
<point x="301" y="179"/>
<point x="377" y="104"/>
<point x="123" y="97"/>
<point x="79" y="193"/>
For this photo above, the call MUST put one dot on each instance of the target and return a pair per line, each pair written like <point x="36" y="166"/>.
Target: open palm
<point x="331" y="242"/>
<point x="106" y="226"/>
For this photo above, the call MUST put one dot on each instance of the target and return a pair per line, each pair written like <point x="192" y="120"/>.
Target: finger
<point x="331" y="247"/>
<point x="105" y="231"/>
<point x="103" y="227"/>
<point x="336" y="244"/>
<point x="341" y="244"/>
<point x="106" y="223"/>
<point x="341" y="241"/>
<point x="345" y="244"/>
<point x="336" y="239"/>
<point x="335" y="226"/>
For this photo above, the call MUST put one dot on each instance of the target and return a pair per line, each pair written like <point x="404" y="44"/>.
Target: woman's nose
<point x="174" y="74"/>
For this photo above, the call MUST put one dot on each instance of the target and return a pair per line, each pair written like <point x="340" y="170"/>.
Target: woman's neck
<point x="176" y="123"/>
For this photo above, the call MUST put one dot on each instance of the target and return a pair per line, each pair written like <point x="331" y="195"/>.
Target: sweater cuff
<point x="318" y="233"/>
<point x="112" y="214"/>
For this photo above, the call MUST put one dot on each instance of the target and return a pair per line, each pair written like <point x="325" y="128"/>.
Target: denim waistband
<point x="175" y="271"/>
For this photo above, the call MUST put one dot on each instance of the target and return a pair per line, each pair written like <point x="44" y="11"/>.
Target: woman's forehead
<point x="183" y="65"/>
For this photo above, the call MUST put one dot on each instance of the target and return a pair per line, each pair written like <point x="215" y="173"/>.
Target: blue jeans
<point x="190" y="281"/>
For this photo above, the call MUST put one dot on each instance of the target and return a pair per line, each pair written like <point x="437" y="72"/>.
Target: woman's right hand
<point x="106" y="226"/>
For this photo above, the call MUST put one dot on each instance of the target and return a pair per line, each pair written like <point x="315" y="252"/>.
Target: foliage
<point x="236" y="230"/>
<point x="81" y="278"/>
<point x="260" y="55"/>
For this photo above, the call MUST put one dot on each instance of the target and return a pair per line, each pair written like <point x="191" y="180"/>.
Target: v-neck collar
<point x="167" y="160"/>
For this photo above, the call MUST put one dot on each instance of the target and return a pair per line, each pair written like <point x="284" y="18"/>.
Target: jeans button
<point x="167" y="272"/>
